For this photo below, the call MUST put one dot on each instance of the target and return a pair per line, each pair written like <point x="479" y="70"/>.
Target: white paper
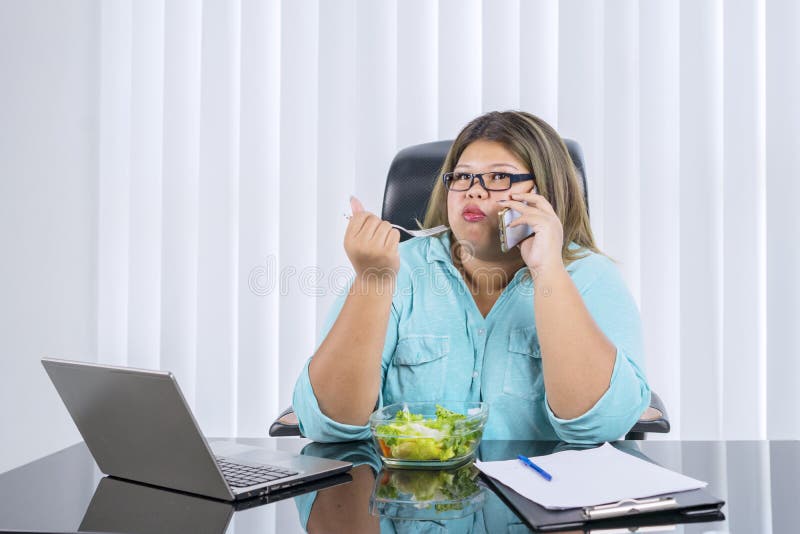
<point x="588" y="477"/>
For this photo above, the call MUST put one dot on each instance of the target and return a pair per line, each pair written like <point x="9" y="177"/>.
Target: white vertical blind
<point x="337" y="144"/>
<point x="296" y="186"/>
<point x="113" y="182"/>
<point x="783" y="218"/>
<point x="659" y="183"/>
<point x="259" y="153"/>
<point x="621" y="140"/>
<point x="376" y="96"/>
<point x="539" y="58"/>
<point x="581" y="93"/>
<point x="500" y="54"/>
<point x="743" y="225"/>
<point x="180" y="212"/>
<point x="700" y="218"/>
<point x="460" y="36"/>
<point x="218" y="207"/>
<point x="147" y="142"/>
<point x="232" y="134"/>
<point x="417" y="72"/>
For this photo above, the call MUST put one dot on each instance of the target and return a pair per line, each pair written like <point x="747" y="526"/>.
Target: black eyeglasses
<point x="490" y="181"/>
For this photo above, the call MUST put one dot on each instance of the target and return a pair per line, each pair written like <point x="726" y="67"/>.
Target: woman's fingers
<point x="533" y="199"/>
<point x="393" y="237"/>
<point x="369" y="242"/>
<point x="518" y="206"/>
<point x="531" y="219"/>
<point x="359" y="217"/>
<point x="355" y="205"/>
<point x="371" y="228"/>
<point x="381" y="231"/>
<point x="530" y="215"/>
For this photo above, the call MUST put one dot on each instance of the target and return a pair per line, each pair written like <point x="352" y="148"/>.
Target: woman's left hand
<point x="541" y="251"/>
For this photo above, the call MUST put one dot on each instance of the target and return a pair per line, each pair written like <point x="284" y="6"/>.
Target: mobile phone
<point x="511" y="237"/>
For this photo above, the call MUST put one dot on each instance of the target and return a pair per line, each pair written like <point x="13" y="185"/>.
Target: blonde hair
<point x="540" y="147"/>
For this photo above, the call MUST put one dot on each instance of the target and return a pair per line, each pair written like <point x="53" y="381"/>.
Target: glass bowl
<point x="428" y="434"/>
<point x="427" y="494"/>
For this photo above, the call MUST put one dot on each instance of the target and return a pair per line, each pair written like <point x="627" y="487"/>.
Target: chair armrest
<point x="654" y="418"/>
<point x="286" y="424"/>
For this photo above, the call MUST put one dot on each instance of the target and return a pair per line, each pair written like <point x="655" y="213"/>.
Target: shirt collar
<point x="439" y="248"/>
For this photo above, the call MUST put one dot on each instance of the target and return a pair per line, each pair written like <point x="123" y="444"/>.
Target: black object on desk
<point x="689" y="507"/>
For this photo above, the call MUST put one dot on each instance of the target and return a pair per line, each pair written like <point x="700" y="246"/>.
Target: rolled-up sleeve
<point x="314" y="424"/>
<point x="611" y="305"/>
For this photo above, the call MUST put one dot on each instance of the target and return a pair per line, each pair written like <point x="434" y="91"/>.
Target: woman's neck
<point x="487" y="277"/>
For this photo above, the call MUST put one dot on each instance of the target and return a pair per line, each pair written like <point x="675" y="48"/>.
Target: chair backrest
<point x="414" y="172"/>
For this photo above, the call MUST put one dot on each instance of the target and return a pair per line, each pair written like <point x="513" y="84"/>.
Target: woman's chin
<point x="477" y="242"/>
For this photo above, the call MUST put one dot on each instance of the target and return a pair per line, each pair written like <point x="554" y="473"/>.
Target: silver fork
<point x="425" y="232"/>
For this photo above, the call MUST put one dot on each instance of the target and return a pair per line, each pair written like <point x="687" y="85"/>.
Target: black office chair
<point x="411" y="179"/>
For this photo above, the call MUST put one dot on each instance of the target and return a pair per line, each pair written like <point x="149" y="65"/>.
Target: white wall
<point x="48" y="195"/>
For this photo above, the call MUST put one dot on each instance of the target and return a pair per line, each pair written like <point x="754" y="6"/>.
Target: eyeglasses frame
<point x="515" y="178"/>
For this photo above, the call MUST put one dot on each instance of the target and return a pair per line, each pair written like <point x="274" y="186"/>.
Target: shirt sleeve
<point x="612" y="307"/>
<point x="314" y="424"/>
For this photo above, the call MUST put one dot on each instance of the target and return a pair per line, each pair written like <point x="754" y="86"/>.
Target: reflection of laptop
<point x="127" y="507"/>
<point x="138" y="426"/>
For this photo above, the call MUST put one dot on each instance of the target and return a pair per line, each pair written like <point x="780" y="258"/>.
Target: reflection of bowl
<point x="428" y="434"/>
<point x="427" y="494"/>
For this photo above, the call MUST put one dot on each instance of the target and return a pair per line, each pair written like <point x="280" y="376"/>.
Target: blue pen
<point x="527" y="461"/>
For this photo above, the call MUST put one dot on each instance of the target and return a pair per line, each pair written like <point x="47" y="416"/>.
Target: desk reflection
<point x="128" y="507"/>
<point x="759" y="480"/>
<point x="119" y="506"/>
<point x="371" y="508"/>
<point x="392" y="500"/>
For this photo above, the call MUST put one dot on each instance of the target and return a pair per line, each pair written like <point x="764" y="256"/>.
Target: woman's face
<point x="473" y="213"/>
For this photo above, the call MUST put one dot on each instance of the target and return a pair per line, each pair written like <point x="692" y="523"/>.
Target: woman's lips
<point x="473" y="214"/>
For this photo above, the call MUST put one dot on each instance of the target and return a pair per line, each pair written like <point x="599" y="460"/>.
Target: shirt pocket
<point x="419" y="365"/>
<point x="523" y="376"/>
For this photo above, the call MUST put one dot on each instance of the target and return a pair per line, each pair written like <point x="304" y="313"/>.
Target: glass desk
<point x="65" y="492"/>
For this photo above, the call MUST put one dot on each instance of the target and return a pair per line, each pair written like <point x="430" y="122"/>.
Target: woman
<point x="546" y="333"/>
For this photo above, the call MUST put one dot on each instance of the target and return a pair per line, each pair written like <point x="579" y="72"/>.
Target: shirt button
<point x="481" y="331"/>
<point x="475" y="374"/>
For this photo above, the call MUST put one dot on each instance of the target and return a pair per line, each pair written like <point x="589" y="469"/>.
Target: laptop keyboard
<point x="241" y="475"/>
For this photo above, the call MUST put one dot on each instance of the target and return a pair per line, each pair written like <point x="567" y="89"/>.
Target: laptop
<point x="138" y="427"/>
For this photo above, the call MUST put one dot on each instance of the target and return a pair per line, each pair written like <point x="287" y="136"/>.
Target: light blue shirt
<point x="440" y="347"/>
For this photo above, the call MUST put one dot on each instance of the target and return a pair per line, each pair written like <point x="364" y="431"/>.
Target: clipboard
<point x="685" y="507"/>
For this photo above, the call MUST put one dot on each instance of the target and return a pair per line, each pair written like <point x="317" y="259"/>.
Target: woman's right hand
<point x="370" y="243"/>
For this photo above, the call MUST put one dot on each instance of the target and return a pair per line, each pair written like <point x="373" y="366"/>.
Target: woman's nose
<point x="477" y="191"/>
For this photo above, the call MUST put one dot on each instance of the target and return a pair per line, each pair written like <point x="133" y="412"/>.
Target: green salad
<point x="412" y="437"/>
<point x="425" y="486"/>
